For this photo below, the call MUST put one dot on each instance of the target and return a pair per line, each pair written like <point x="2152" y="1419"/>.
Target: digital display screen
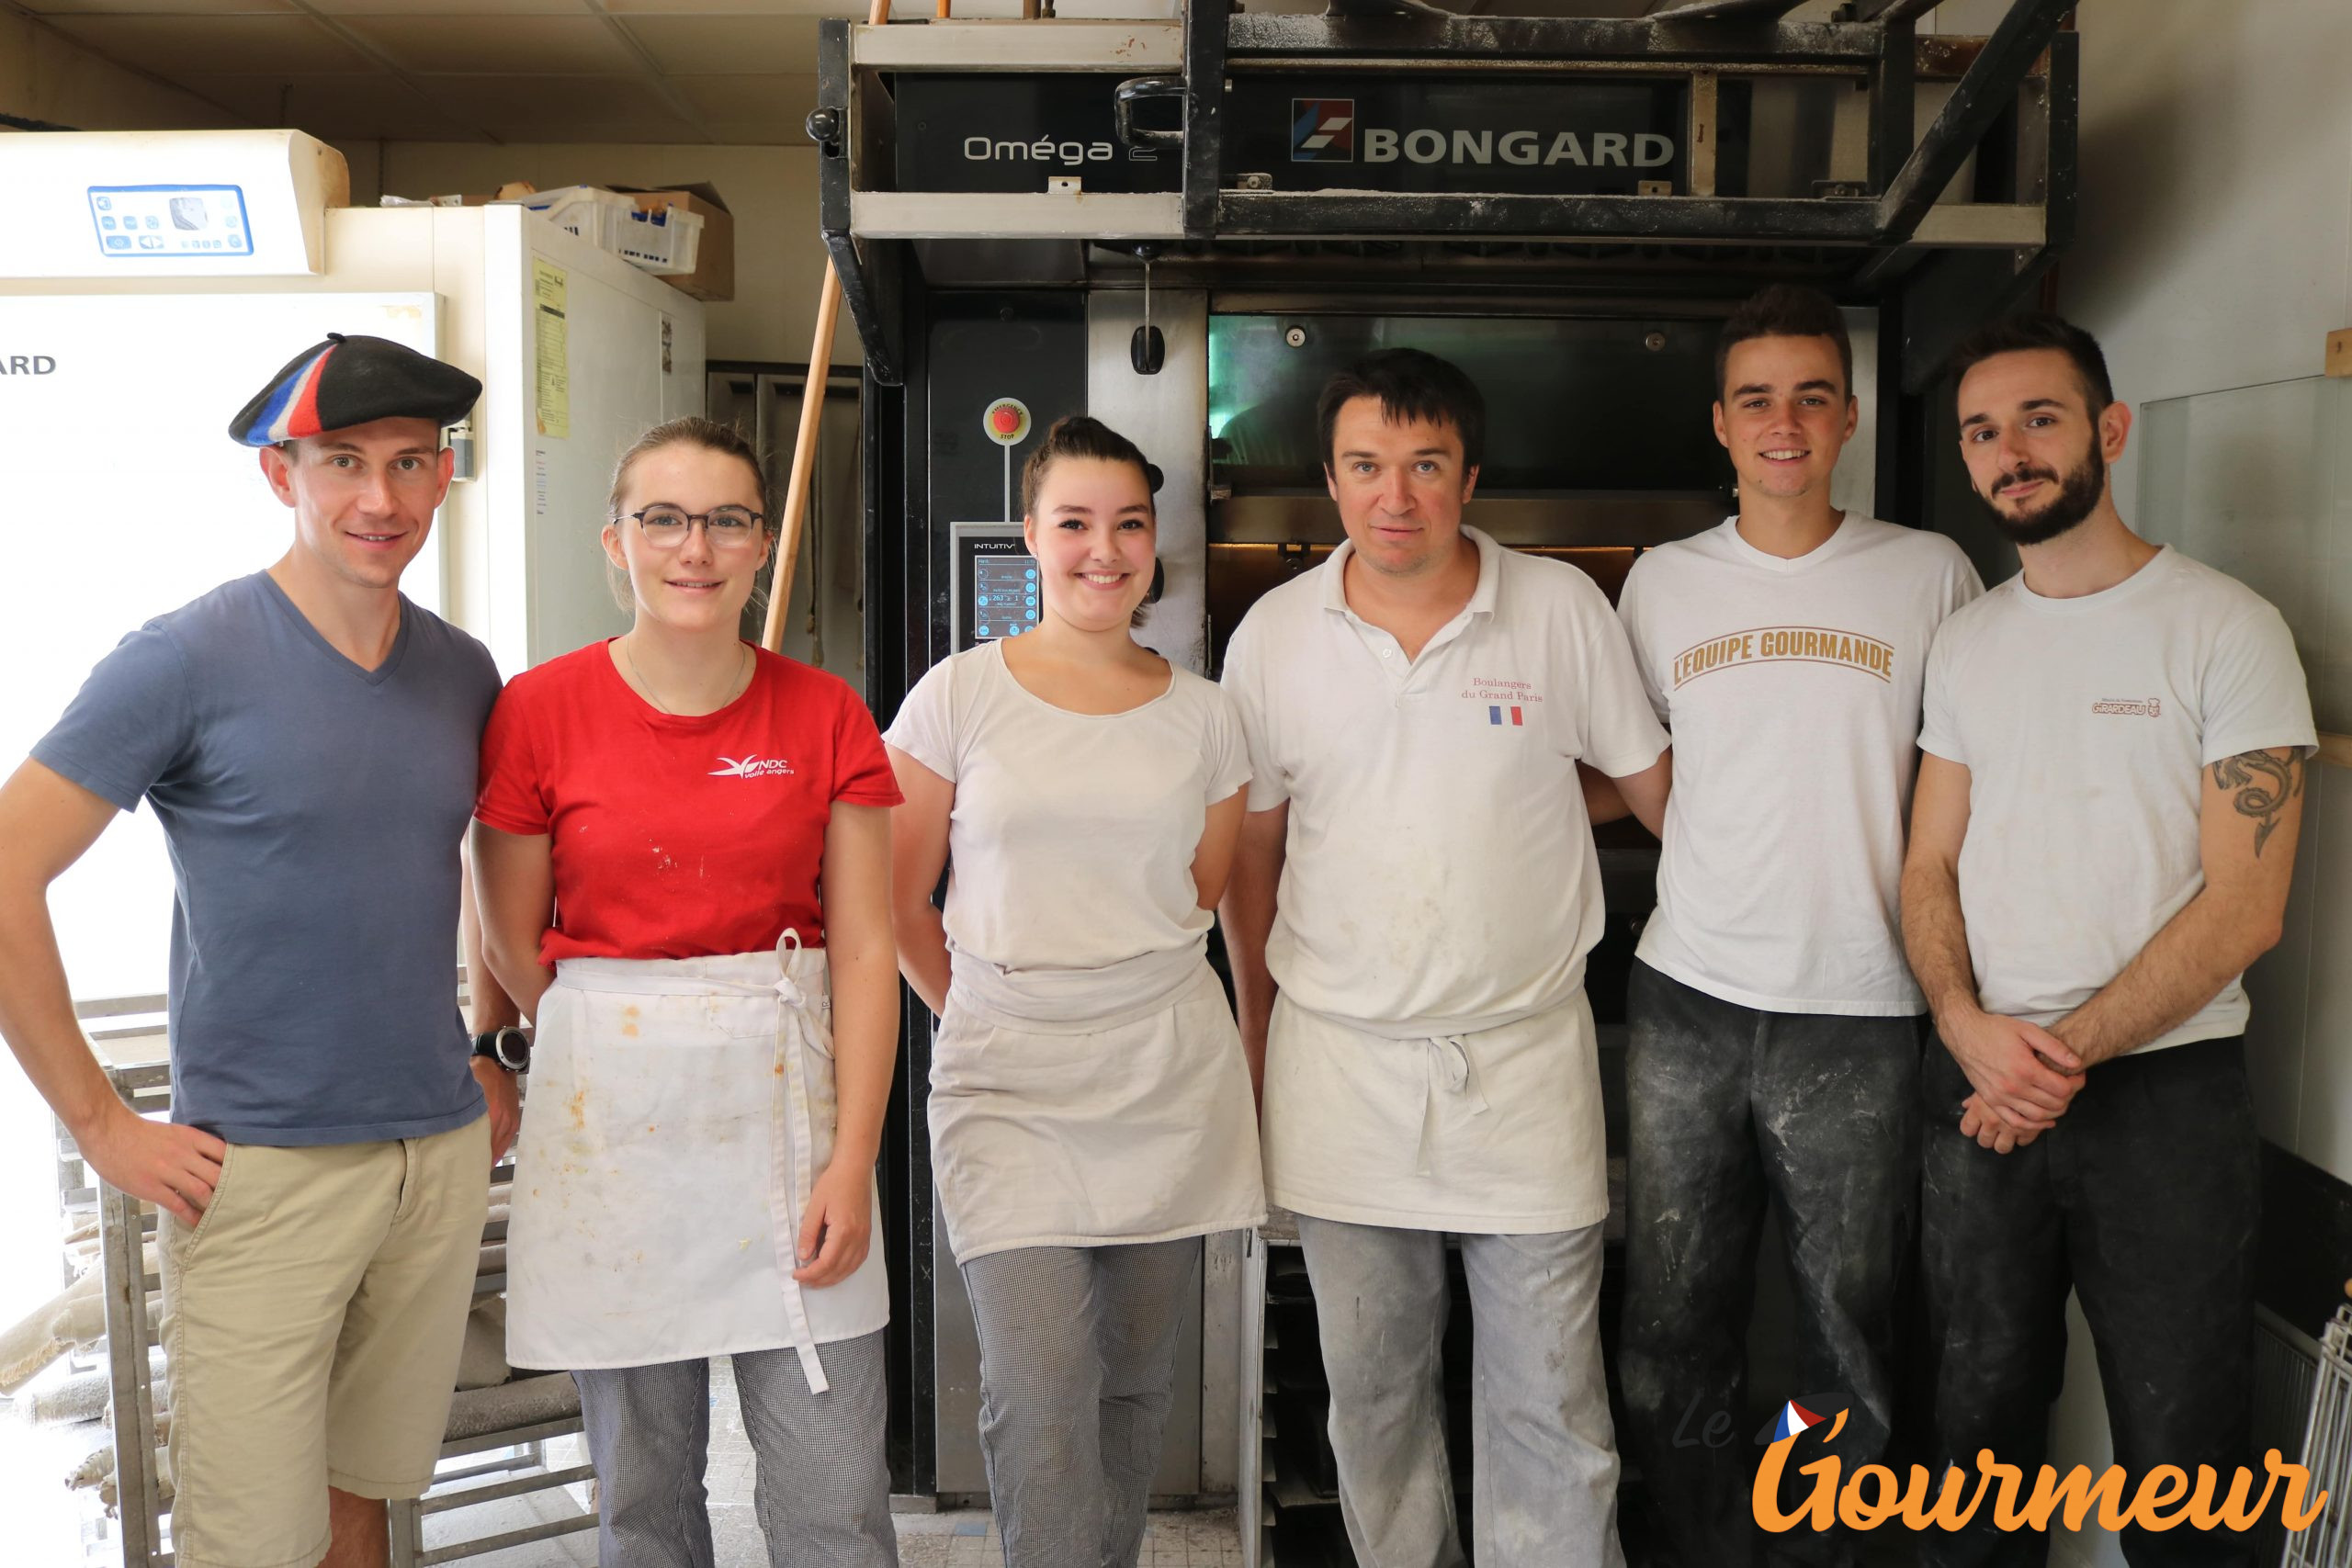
<point x="1004" y="598"/>
<point x="996" y="584"/>
<point x="129" y="221"/>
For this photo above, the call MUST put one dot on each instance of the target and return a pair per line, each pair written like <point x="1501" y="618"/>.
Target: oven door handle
<point x="1135" y="90"/>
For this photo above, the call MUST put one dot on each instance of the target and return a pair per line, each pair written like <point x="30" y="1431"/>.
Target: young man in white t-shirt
<point x="1417" y="879"/>
<point x="2101" y="841"/>
<point x="1775" y="1031"/>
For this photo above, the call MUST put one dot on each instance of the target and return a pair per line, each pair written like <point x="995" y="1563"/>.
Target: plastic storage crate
<point x="592" y="214"/>
<point x="663" y="239"/>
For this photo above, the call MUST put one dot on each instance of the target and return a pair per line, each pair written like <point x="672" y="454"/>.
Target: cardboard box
<point x="712" y="277"/>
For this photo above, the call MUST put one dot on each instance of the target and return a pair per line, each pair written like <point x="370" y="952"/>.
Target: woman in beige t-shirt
<point x="1091" y="1110"/>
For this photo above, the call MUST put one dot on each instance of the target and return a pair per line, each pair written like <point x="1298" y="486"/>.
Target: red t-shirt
<point x="678" y="838"/>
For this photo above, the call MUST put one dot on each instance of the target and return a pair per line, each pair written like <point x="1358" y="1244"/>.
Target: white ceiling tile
<point x="156" y="8"/>
<point x="729" y="45"/>
<point x="175" y="46"/>
<point x="341" y="9"/>
<point x="754" y="7"/>
<point x="753" y="110"/>
<point x="335" y="107"/>
<point x="257" y="100"/>
<point x="508" y="45"/>
<point x="561" y="109"/>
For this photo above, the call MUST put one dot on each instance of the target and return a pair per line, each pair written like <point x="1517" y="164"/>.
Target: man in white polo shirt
<point x="1775" y="1031"/>
<point x="2101" y="841"/>
<point x="1410" y="908"/>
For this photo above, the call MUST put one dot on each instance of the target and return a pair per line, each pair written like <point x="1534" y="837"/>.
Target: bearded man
<point x="2102" y="835"/>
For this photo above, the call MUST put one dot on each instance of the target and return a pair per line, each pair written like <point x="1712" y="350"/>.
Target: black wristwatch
<point x="508" y="1046"/>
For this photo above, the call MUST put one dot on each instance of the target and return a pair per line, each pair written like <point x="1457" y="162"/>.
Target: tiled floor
<point x="1207" y="1539"/>
<point x="47" y="1527"/>
<point x="969" y="1540"/>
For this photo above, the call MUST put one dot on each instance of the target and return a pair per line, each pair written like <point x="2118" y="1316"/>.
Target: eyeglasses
<point x="726" y="527"/>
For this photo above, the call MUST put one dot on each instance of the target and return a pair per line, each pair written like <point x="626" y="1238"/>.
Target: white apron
<point x="1082" y="1108"/>
<point x="679" y="1110"/>
<point x="1495" y="1129"/>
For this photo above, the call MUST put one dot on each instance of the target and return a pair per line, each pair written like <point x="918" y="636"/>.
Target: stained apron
<point x="680" y="1111"/>
<point x="1490" y="1126"/>
<point x="1080" y="1108"/>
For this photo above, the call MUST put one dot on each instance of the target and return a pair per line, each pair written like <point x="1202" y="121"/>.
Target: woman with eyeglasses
<point x="1090" y="1114"/>
<point x="681" y="852"/>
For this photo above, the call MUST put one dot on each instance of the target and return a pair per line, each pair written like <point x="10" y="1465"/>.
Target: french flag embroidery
<point x="1495" y="715"/>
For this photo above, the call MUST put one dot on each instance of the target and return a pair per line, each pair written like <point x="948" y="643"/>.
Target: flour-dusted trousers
<point x="1733" y="1110"/>
<point x="821" y="1485"/>
<point x="1078" y="1359"/>
<point x="1543" y="1461"/>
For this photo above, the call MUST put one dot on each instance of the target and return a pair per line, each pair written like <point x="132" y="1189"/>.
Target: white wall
<point x="2216" y="254"/>
<point x="2213" y="255"/>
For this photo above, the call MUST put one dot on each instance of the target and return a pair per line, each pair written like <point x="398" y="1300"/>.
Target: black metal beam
<point x="1892" y="97"/>
<point x="1726" y="11"/>
<point x="1901" y="491"/>
<point x="1464" y="41"/>
<point x="870" y="277"/>
<point x="2062" y="121"/>
<point x="1990" y="87"/>
<point x="1742" y="219"/>
<point x="1948" y="295"/>
<point x="1892" y="10"/>
<point x="1203" y="151"/>
<point x="872" y="283"/>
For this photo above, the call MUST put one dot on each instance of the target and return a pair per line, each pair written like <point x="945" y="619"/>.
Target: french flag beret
<point x="352" y="380"/>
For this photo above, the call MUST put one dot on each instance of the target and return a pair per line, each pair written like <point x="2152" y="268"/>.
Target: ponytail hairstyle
<point x="691" y="431"/>
<point x="1081" y="436"/>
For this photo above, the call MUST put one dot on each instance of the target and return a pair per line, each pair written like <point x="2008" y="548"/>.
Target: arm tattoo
<point x="2265" y="783"/>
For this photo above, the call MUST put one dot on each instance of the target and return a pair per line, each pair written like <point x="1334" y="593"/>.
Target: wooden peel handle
<point x="804" y="443"/>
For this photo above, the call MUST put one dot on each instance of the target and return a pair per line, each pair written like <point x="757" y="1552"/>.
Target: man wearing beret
<point x="308" y="739"/>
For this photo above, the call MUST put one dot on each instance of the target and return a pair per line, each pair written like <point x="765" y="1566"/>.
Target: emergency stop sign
<point x="1007" y="422"/>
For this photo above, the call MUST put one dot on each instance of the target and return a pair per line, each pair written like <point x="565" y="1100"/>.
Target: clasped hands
<point x="2024" y="1076"/>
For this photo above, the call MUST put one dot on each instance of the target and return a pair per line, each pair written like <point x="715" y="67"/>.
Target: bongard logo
<point x="2165" y="1497"/>
<point x="2136" y="707"/>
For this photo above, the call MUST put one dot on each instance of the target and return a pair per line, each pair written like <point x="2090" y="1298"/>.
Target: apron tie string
<point x="1451" y="1073"/>
<point x="793" y="1180"/>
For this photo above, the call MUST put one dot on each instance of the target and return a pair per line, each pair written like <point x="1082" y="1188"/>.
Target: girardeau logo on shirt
<point x="2135" y="707"/>
<point x="751" y="767"/>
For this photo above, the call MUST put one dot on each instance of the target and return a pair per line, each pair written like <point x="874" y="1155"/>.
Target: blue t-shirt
<point x="314" y="812"/>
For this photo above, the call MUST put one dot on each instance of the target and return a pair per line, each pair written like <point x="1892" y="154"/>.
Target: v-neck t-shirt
<point x="314" y="812"/>
<point x="1791" y="688"/>
<point x="1072" y="841"/>
<point x="679" y="836"/>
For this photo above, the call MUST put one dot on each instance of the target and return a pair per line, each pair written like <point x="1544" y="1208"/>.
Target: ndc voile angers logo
<point x="751" y="767"/>
<point x="1322" y="130"/>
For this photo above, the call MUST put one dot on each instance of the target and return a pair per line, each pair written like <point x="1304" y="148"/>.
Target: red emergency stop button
<point x="1006" y="422"/>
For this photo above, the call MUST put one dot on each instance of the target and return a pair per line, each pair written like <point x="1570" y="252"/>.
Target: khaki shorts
<point x="313" y="1319"/>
